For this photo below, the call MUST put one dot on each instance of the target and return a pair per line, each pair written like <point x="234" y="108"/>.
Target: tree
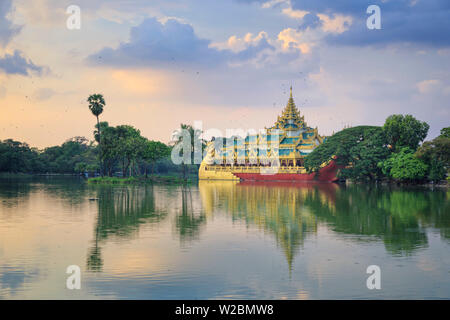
<point x="129" y="146"/>
<point x="64" y="158"/>
<point x="195" y="139"/>
<point x="124" y="146"/>
<point x="436" y="154"/>
<point x="96" y="105"/>
<point x="437" y="170"/>
<point x="154" y="151"/>
<point x="404" y="131"/>
<point x="108" y="152"/>
<point x="445" y="132"/>
<point x="17" y="156"/>
<point x="404" y="166"/>
<point x="360" y="149"/>
<point x="80" y="167"/>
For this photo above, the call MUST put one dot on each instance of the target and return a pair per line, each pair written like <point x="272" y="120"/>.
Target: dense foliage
<point x="404" y="131"/>
<point x="403" y="165"/>
<point x="78" y="155"/>
<point x="436" y="154"/>
<point x="195" y="141"/>
<point x="124" y="146"/>
<point x="19" y="157"/>
<point x="363" y="147"/>
<point x="388" y="152"/>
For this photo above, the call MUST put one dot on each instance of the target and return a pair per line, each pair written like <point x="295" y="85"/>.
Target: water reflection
<point x="277" y="208"/>
<point x="289" y="212"/>
<point x="293" y="211"/>
<point x="222" y="240"/>
<point x="398" y="217"/>
<point x="188" y="220"/>
<point x="120" y="213"/>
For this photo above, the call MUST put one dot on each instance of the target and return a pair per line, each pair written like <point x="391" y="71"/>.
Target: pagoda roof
<point x="290" y="112"/>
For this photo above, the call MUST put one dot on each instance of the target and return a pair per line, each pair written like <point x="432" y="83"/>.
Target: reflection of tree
<point x="14" y="191"/>
<point x="437" y="212"/>
<point x="188" y="222"/>
<point x="291" y="211"/>
<point x="121" y="210"/>
<point x="395" y="215"/>
<point x="276" y="208"/>
<point x="68" y="189"/>
<point x="95" y="261"/>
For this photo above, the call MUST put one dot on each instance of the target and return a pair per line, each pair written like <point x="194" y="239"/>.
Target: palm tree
<point x="195" y="135"/>
<point x="96" y="105"/>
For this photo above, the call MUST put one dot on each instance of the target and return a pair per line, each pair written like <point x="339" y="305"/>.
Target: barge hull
<point x="326" y="174"/>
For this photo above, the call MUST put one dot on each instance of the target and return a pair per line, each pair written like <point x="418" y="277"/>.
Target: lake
<point x="222" y="240"/>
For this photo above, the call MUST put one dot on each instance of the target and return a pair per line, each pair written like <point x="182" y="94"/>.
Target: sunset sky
<point x="228" y="63"/>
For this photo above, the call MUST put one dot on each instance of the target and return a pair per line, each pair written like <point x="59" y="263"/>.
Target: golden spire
<point x="290" y="111"/>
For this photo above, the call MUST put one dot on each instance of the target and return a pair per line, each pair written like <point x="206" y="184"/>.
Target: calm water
<point x="222" y="240"/>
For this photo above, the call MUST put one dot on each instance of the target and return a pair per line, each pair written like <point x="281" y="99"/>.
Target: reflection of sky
<point x="12" y="278"/>
<point x="229" y="63"/>
<point x="232" y="252"/>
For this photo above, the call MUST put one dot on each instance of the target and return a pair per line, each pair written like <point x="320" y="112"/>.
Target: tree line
<point x="79" y="155"/>
<point x="391" y="152"/>
<point x="115" y="150"/>
<point x="123" y="146"/>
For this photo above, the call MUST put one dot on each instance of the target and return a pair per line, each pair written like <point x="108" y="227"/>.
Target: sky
<point x="228" y="64"/>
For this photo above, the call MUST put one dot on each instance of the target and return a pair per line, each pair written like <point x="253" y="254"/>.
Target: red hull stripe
<point x="326" y="174"/>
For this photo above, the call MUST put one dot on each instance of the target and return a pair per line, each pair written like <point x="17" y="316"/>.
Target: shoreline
<point x="440" y="184"/>
<point x="139" y="180"/>
<point x="170" y="179"/>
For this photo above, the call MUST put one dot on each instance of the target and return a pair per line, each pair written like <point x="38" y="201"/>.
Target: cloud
<point x="310" y="21"/>
<point x="153" y="43"/>
<point x="261" y="51"/>
<point x="7" y="29"/>
<point x="428" y="86"/>
<point x="295" y="14"/>
<point x="272" y="3"/>
<point x="291" y="38"/>
<point x="247" y="48"/>
<point x="416" y="22"/>
<point x="17" y="64"/>
<point x="14" y="63"/>
<point x="402" y="21"/>
<point x="237" y="44"/>
<point x="332" y="6"/>
<point x="336" y="23"/>
<point x="172" y="43"/>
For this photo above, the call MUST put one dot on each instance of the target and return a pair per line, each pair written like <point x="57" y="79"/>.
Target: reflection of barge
<point x="275" y="155"/>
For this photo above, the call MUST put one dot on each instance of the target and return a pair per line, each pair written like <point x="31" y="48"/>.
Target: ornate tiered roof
<point x="290" y="118"/>
<point x="289" y="138"/>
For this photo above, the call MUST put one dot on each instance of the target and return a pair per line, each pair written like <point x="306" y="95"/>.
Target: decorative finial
<point x="291" y="91"/>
